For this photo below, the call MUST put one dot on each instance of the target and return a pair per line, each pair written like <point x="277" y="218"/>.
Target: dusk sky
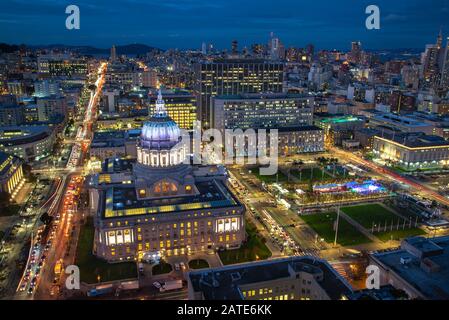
<point x="187" y="23"/>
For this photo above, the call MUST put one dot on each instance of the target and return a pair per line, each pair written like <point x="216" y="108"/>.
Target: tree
<point x="28" y="174"/>
<point x="4" y="199"/>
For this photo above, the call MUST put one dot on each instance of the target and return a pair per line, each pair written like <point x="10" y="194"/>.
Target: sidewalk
<point x="360" y="228"/>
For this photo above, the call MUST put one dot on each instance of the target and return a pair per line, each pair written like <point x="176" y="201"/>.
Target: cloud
<point x="395" y="17"/>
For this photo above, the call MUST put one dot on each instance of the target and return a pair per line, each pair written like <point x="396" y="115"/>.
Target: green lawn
<point x="10" y="210"/>
<point x="91" y="267"/>
<point x="254" y="249"/>
<point x="161" y="268"/>
<point x="316" y="174"/>
<point x="280" y="177"/>
<point x="368" y="214"/>
<point x="323" y="224"/>
<point x="198" y="264"/>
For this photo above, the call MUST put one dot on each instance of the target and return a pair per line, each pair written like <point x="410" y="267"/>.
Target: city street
<point x="64" y="210"/>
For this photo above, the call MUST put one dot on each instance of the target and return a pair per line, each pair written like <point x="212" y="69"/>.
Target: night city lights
<point x="223" y="158"/>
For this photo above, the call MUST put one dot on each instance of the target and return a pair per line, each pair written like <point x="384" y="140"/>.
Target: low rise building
<point x="412" y="151"/>
<point x="420" y="267"/>
<point x="397" y="122"/>
<point x="306" y="139"/>
<point x="296" y="278"/>
<point x="49" y="108"/>
<point x="30" y="143"/>
<point x="113" y="143"/>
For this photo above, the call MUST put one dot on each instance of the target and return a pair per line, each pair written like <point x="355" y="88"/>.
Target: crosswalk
<point x="311" y="253"/>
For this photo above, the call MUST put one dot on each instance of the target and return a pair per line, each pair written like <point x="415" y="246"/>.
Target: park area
<point x="252" y="250"/>
<point x="161" y="268"/>
<point x="305" y="175"/>
<point x="311" y="175"/>
<point x="198" y="264"/>
<point x="323" y="225"/>
<point x="382" y="222"/>
<point x="279" y="177"/>
<point x="93" y="269"/>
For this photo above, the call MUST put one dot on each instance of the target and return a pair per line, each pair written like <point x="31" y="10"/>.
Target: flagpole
<point x="336" y="227"/>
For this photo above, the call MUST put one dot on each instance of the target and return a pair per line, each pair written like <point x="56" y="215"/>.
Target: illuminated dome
<point x="161" y="132"/>
<point x="159" y="145"/>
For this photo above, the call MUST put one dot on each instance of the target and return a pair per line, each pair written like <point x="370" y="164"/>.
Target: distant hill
<point x="6" y="48"/>
<point x="130" y="49"/>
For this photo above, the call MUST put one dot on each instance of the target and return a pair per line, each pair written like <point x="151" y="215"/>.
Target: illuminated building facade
<point x="231" y="77"/>
<point x="339" y="128"/>
<point x="160" y="203"/>
<point x="62" y="65"/>
<point x="28" y="143"/>
<point x="304" y="139"/>
<point x="11" y="173"/>
<point x="412" y="151"/>
<point x="262" y="111"/>
<point x="181" y="107"/>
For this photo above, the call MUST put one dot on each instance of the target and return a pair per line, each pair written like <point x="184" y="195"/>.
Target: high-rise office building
<point x="235" y="47"/>
<point x="113" y="54"/>
<point x="181" y="107"/>
<point x="432" y="63"/>
<point x="262" y="111"/>
<point x="204" y="48"/>
<point x="231" y="77"/>
<point x="277" y="49"/>
<point x="445" y="69"/>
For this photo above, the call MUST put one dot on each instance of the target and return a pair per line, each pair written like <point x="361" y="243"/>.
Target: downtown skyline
<point x="270" y="151"/>
<point x="186" y="24"/>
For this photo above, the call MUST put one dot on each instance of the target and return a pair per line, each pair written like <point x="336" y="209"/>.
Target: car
<point x="22" y="287"/>
<point x="30" y="290"/>
<point x="157" y="285"/>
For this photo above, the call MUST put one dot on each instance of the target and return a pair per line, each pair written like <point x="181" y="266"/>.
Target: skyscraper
<point x="432" y="63"/>
<point x="231" y="77"/>
<point x="356" y="52"/>
<point x="277" y="49"/>
<point x="445" y="69"/>
<point x="235" y="47"/>
<point x="113" y="54"/>
<point x="204" y="48"/>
